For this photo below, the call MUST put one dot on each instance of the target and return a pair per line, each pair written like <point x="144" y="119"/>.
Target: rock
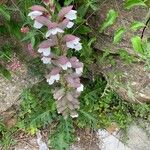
<point x="138" y="138"/>
<point x="130" y="81"/>
<point x="110" y="141"/>
<point x="10" y="90"/>
<point x="30" y="144"/>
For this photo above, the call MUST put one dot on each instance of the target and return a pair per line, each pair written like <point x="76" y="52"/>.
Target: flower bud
<point x="24" y="29"/>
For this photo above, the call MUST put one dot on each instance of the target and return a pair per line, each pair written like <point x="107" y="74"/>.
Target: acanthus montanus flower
<point x="64" y="72"/>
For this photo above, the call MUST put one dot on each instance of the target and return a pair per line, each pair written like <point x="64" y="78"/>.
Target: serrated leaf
<point x="68" y="2"/>
<point x="137" y="44"/>
<point x="63" y="135"/>
<point x="4" y="12"/>
<point x="137" y="25"/>
<point x="30" y="35"/>
<point x="132" y="3"/>
<point x="119" y="35"/>
<point x="110" y="20"/>
<point x="83" y="30"/>
<point x="82" y="10"/>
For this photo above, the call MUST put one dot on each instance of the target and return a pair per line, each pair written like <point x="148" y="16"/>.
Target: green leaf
<point x="119" y="35"/>
<point x="110" y="20"/>
<point x="68" y="2"/>
<point x="4" y="12"/>
<point x="83" y="30"/>
<point x="137" y="25"/>
<point x="63" y="135"/>
<point x="29" y="36"/>
<point x="82" y="10"/>
<point x="137" y="44"/>
<point x="33" y="41"/>
<point x="132" y="3"/>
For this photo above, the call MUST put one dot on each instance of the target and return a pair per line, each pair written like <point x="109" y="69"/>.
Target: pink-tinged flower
<point x="58" y="94"/>
<point x="43" y="20"/>
<point x="25" y="29"/>
<point x="53" y="29"/>
<point x="45" y="51"/>
<point x="79" y="70"/>
<point x="70" y="25"/>
<point x="64" y="62"/>
<point x="71" y="15"/>
<point x="37" y="25"/>
<point x="80" y="88"/>
<point x="66" y="24"/>
<point x="64" y="11"/>
<point x="77" y="65"/>
<point x="38" y="8"/>
<point x="35" y="14"/>
<point x="46" y="60"/>
<point x="73" y="82"/>
<point x="54" y="76"/>
<point x="73" y="42"/>
<point x="48" y="43"/>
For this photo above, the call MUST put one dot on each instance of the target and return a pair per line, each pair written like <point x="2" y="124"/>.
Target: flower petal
<point x="43" y="20"/>
<point x="70" y="44"/>
<point x="48" y="33"/>
<point x="35" y="14"/>
<point x="55" y="71"/>
<point x="46" y="60"/>
<point x="38" y="8"/>
<point x="70" y="24"/>
<point x="64" y="11"/>
<point x="66" y="66"/>
<point x="37" y="25"/>
<point x="80" y="89"/>
<point x="45" y="51"/>
<point x="48" y="43"/>
<point x="69" y="37"/>
<point x="71" y="15"/>
<point x="79" y="70"/>
<point x="78" y="46"/>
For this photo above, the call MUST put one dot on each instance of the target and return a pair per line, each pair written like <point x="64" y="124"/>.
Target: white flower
<point x="53" y="31"/>
<point x="74" y="116"/>
<point x="79" y="70"/>
<point x="37" y="25"/>
<point x="71" y="44"/>
<point x="78" y="46"/>
<point x="70" y="24"/>
<point x="46" y="60"/>
<point x="80" y="88"/>
<point x="53" y="78"/>
<point x="35" y="14"/>
<point x="71" y="15"/>
<point x="45" y="51"/>
<point x="66" y="66"/>
<point x="74" y="44"/>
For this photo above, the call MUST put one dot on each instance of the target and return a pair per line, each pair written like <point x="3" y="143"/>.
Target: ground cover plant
<point x="53" y="31"/>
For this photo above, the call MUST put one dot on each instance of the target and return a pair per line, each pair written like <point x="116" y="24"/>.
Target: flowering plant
<point x="64" y="72"/>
